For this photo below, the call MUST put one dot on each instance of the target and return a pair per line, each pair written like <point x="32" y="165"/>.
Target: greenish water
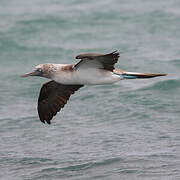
<point x="129" y="130"/>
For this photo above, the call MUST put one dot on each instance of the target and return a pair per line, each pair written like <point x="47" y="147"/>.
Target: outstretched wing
<point x="107" y="61"/>
<point x="53" y="96"/>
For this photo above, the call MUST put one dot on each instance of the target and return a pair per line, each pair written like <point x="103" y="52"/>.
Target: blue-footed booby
<point x="92" y="69"/>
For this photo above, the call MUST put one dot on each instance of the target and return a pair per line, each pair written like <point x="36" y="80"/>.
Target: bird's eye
<point x="39" y="70"/>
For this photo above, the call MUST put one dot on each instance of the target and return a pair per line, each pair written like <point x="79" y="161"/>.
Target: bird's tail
<point x="135" y="75"/>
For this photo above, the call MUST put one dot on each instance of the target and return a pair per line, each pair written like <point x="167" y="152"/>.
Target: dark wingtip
<point x="116" y="54"/>
<point x="115" y="51"/>
<point x="47" y="120"/>
<point x="42" y="120"/>
<point x="156" y="75"/>
<point x="163" y="74"/>
<point x="129" y="75"/>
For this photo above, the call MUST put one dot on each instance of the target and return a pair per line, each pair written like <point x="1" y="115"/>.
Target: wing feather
<point x="53" y="96"/>
<point x="106" y="60"/>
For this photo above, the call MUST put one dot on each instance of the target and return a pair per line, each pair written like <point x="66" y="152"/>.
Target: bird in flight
<point x="66" y="79"/>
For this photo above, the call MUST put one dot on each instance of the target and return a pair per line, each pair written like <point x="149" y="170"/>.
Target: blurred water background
<point x="129" y="130"/>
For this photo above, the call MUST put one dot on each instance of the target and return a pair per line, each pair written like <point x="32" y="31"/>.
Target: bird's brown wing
<point x="53" y="96"/>
<point x="106" y="60"/>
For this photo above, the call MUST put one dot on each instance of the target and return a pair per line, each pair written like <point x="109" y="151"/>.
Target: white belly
<point x="89" y="76"/>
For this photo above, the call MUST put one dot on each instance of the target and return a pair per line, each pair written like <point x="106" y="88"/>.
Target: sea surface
<point x="125" y="131"/>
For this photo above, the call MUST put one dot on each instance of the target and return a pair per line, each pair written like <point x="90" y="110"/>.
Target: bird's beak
<point x="34" y="73"/>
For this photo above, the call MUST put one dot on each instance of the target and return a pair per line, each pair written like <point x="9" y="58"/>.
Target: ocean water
<point x="129" y="130"/>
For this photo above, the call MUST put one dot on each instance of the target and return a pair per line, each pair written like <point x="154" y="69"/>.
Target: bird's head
<point x="42" y="70"/>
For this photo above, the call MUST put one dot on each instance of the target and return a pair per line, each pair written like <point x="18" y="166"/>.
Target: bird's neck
<point x="58" y="69"/>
